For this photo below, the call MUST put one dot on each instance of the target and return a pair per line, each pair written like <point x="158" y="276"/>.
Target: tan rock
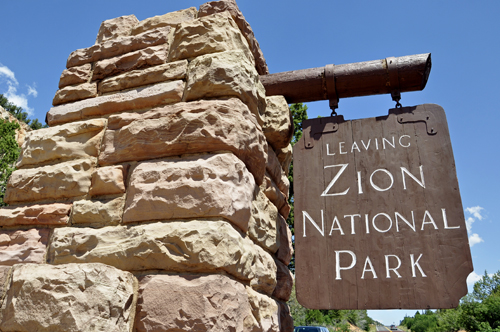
<point x="98" y="213"/>
<point x="75" y="140"/>
<point x="262" y="227"/>
<point x="46" y="214"/>
<point x="108" y="181"/>
<point x="75" y="75"/>
<point x="226" y="74"/>
<point x="64" y="180"/>
<point x="272" y="192"/>
<point x="151" y="56"/>
<point x="198" y="186"/>
<point x="230" y="6"/>
<point x="140" y="98"/>
<point x="23" y="127"/>
<point x="285" y="250"/>
<point x="286" y="320"/>
<point x="73" y="297"/>
<point x="284" y="282"/>
<point x="193" y="303"/>
<point x="25" y="246"/>
<point x="119" y="46"/>
<point x="196" y="127"/>
<point x="75" y="92"/>
<point x="278" y="124"/>
<point x="4" y="280"/>
<point x="179" y="246"/>
<point x="210" y="34"/>
<point x="171" y="19"/>
<point x="285" y="158"/>
<point x="166" y="72"/>
<point x="273" y="167"/>
<point x="116" y="27"/>
<point x="265" y="311"/>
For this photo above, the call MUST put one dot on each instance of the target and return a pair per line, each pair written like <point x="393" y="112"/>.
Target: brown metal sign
<point x="379" y="221"/>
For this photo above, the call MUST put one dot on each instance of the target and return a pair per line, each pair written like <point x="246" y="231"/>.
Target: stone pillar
<point x="157" y="199"/>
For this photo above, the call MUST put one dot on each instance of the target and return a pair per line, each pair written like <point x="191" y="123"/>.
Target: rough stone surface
<point x="278" y="125"/>
<point x="75" y="140"/>
<point x="116" y="27"/>
<point x="285" y="250"/>
<point x="273" y="167"/>
<point x="25" y="246"/>
<point x="140" y="98"/>
<point x="210" y="34"/>
<point x="212" y="303"/>
<point x="73" y="297"/>
<point x="75" y="92"/>
<point x="151" y="56"/>
<point x="195" y="127"/>
<point x="46" y="214"/>
<point x="118" y="46"/>
<point x="166" y="72"/>
<point x="98" y="213"/>
<point x="178" y="246"/>
<point x="191" y="187"/>
<point x="286" y="320"/>
<point x="265" y="311"/>
<point x="170" y="19"/>
<point x="226" y="74"/>
<point x="64" y="180"/>
<point x="75" y="75"/>
<point x="108" y="181"/>
<point x="4" y="278"/>
<point x="284" y="282"/>
<point x="230" y="6"/>
<point x="263" y="228"/>
<point x="285" y="158"/>
<point x="272" y="192"/>
<point x="22" y="131"/>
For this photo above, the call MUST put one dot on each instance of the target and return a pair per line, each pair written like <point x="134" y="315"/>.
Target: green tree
<point x="9" y="152"/>
<point x="19" y="113"/>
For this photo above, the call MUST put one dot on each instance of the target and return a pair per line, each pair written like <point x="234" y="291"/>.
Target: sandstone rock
<point x="210" y="34"/>
<point x="75" y="92"/>
<point x="23" y="127"/>
<point x="193" y="303"/>
<point x="265" y="311"/>
<point x="262" y="227"/>
<point x="274" y="169"/>
<point x="25" y="246"/>
<point x="285" y="158"/>
<point x="75" y="140"/>
<point x="75" y="75"/>
<point x="46" y="214"/>
<point x="199" y="186"/>
<point x="230" y="6"/>
<point x="286" y="320"/>
<point x="272" y="192"/>
<point x="278" y="125"/>
<point x="166" y="72"/>
<point x="140" y="98"/>
<point x="196" y="127"/>
<point x="170" y="19"/>
<point x="4" y="279"/>
<point x="68" y="179"/>
<point x="151" y="56"/>
<point x="119" y="46"/>
<point x="98" y="213"/>
<point x="226" y="74"/>
<point x="116" y="27"/>
<point x="285" y="250"/>
<point x="108" y="181"/>
<point x="284" y="282"/>
<point x="73" y="297"/>
<point x="206" y="246"/>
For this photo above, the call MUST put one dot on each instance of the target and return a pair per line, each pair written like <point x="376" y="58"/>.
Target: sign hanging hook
<point x="330" y="88"/>
<point x="393" y="71"/>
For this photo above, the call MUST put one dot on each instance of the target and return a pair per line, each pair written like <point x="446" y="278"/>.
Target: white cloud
<point x="5" y="71"/>
<point x="475" y="211"/>
<point x="18" y="99"/>
<point x="475" y="239"/>
<point x="468" y="223"/>
<point x="32" y="90"/>
<point x="473" y="278"/>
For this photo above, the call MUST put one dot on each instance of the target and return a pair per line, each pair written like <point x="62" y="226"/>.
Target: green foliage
<point x="9" y="152"/>
<point x="19" y="113"/>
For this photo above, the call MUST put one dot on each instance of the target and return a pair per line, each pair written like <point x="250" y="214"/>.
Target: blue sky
<point x="463" y="37"/>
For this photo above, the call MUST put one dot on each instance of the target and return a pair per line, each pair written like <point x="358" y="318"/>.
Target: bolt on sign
<point x="379" y="221"/>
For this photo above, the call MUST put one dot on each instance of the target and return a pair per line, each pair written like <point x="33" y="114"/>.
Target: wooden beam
<point x="351" y="80"/>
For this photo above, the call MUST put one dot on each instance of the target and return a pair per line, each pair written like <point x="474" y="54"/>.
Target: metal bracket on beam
<point x="393" y="71"/>
<point x="331" y="89"/>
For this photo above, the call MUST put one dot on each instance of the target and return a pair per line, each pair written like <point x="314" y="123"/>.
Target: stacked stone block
<point x="157" y="199"/>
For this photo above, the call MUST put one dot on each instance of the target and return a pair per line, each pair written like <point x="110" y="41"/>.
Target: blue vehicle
<point x="310" y="329"/>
